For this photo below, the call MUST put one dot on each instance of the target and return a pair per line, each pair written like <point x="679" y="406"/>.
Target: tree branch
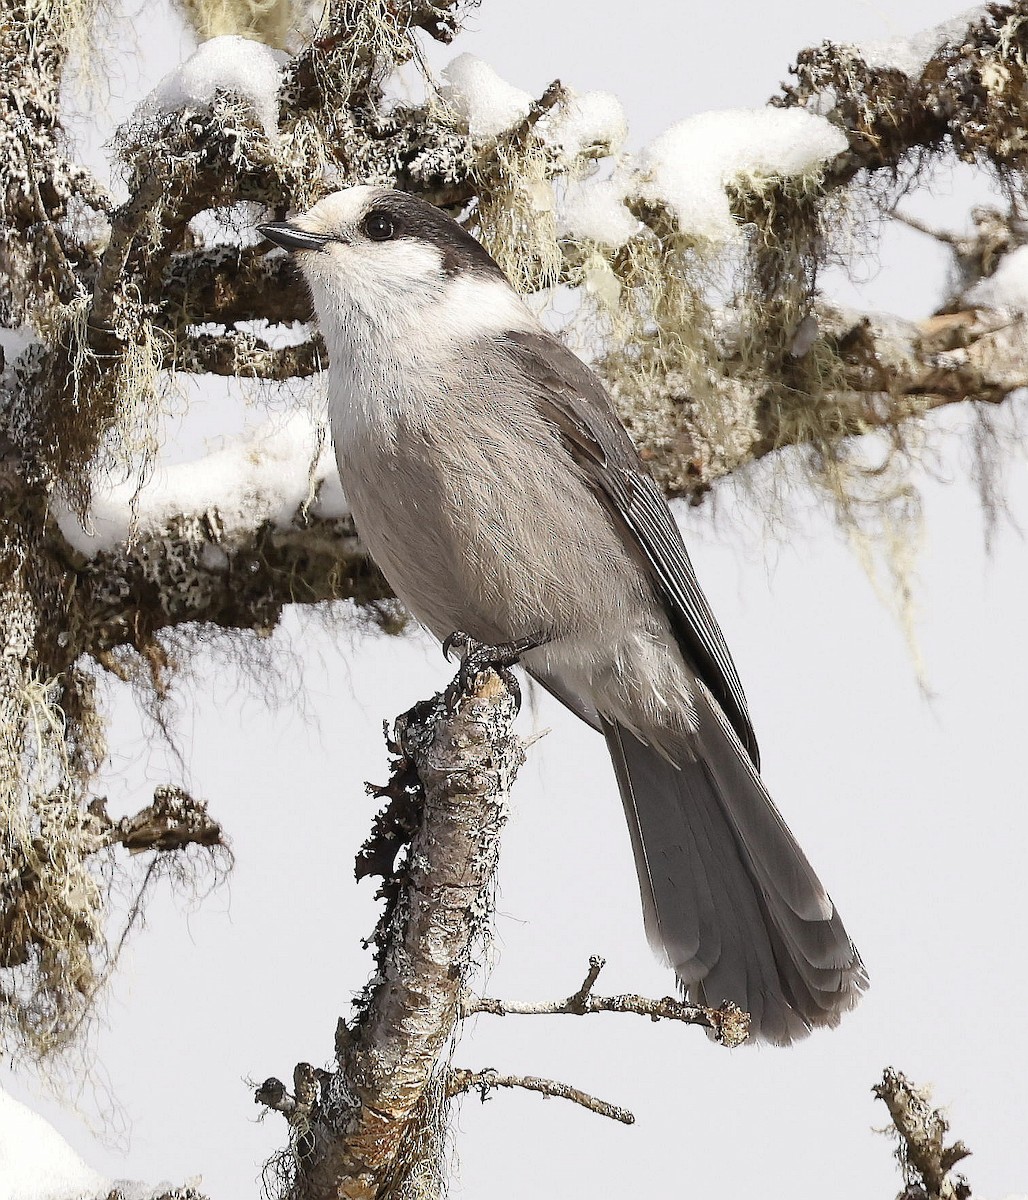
<point x="174" y="820"/>
<point x="925" y="1159"/>
<point x="126" y="224"/>
<point x="193" y="571"/>
<point x="969" y="95"/>
<point x="246" y="356"/>
<point x="368" y="1127"/>
<point x="462" y="1080"/>
<point x="729" y="1024"/>
<point x="226" y="284"/>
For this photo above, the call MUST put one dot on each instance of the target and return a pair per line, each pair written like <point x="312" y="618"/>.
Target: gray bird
<point x="492" y="482"/>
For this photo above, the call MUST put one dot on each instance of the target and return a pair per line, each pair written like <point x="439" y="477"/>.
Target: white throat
<point x="393" y="350"/>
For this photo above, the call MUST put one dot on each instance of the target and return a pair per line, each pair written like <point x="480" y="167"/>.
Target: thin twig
<point x="578" y="1002"/>
<point x="463" y="1080"/>
<point x="940" y="235"/>
<point x="729" y="1024"/>
<point x="125" y="225"/>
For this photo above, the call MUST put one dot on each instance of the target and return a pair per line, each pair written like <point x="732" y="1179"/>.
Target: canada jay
<point x="493" y="484"/>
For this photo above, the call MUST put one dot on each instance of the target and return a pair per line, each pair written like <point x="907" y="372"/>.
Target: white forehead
<point x="341" y="209"/>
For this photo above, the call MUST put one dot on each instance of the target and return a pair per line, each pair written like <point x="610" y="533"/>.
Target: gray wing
<point x="575" y="402"/>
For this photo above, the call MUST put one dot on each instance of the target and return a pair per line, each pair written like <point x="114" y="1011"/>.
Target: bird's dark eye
<point x="379" y="226"/>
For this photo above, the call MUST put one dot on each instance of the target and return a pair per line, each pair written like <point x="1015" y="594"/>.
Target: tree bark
<point x="379" y="1120"/>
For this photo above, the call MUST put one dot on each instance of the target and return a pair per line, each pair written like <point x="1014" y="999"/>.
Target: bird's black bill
<point x="290" y="238"/>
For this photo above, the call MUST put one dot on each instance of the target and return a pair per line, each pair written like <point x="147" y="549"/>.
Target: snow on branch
<point x="959" y="87"/>
<point x="228" y="539"/>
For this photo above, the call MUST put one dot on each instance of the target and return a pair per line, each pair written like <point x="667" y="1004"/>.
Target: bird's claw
<point x="479" y="657"/>
<point x="458" y="639"/>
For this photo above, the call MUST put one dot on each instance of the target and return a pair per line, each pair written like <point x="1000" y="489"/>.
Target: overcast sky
<point x="911" y="809"/>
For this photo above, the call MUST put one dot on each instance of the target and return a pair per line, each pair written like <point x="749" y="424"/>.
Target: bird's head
<point x="392" y="262"/>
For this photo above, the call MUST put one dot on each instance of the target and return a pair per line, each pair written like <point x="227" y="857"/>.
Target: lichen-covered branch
<point x="926" y="1160"/>
<point x="462" y="1080"/>
<point x="729" y="1025"/>
<point x="373" y="1119"/>
<point x="195" y="572"/>
<point x="374" y="1126"/>
<point x="246" y="356"/>
<point x="969" y="95"/>
<point x="887" y="371"/>
<point x="228" y="284"/>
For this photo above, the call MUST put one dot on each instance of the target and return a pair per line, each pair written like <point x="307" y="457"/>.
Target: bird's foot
<point x="479" y="657"/>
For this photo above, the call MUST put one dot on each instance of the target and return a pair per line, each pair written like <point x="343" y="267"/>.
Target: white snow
<point x="687" y="167"/>
<point x="265" y="475"/>
<point x="1006" y="287"/>
<point x="488" y="104"/>
<point x="594" y="210"/>
<point x="912" y="54"/>
<point x="36" y="1163"/>
<point x="590" y="123"/>
<point x="231" y="63"/>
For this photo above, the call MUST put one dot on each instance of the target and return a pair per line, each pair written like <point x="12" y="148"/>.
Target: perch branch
<point x="367" y="1127"/>
<point x="462" y="1080"/>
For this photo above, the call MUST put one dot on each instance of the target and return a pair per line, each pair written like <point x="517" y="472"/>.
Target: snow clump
<point x="36" y="1163"/>
<point x="594" y="210"/>
<point x="689" y="167"/>
<point x="488" y="104"/>
<point x="911" y="55"/>
<point x="590" y="124"/>
<point x="1006" y="287"/>
<point x="264" y="476"/>
<point x="235" y="64"/>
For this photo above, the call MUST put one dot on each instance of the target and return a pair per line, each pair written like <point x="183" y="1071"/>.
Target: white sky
<point x="911" y="811"/>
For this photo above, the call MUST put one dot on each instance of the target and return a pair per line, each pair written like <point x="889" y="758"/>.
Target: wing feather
<point x="572" y="398"/>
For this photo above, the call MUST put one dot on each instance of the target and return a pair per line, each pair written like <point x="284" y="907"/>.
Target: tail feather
<point x="728" y="896"/>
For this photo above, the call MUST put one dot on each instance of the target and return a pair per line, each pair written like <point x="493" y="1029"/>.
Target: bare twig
<point x="729" y="1024"/>
<point x="926" y="1161"/>
<point x="940" y="235"/>
<point x="578" y="1002"/>
<point x="463" y="1080"/>
<point x="125" y="226"/>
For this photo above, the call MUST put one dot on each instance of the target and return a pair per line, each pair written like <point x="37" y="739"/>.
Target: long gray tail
<point x="728" y="896"/>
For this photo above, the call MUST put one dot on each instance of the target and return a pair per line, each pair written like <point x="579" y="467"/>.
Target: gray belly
<point x="500" y="538"/>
